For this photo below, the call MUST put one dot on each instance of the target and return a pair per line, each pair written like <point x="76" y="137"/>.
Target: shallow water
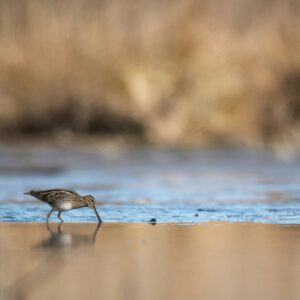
<point x="141" y="261"/>
<point x="140" y="184"/>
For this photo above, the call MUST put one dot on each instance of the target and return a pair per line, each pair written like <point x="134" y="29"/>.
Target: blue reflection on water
<point x="137" y="185"/>
<point x="273" y="214"/>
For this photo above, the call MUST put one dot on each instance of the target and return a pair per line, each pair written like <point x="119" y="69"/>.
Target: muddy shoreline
<point x="140" y="261"/>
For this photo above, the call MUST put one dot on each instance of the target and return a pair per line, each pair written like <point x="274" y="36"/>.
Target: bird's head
<point x="90" y="201"/>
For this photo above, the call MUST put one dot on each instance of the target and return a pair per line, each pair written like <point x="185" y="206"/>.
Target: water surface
<point x="139" y="184"/>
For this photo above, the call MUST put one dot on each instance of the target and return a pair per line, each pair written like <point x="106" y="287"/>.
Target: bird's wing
<point x="58" y="196"/>
<point x="68" y="191"/>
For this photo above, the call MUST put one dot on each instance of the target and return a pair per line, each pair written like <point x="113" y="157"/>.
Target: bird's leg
<point x="58" y="215"/>
<point x="49" y="214"/>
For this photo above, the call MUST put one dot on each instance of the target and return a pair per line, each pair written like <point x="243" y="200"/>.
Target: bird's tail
<point x="32" y="193"/>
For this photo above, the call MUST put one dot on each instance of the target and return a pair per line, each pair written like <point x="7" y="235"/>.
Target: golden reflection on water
<point x="140" y="261"/>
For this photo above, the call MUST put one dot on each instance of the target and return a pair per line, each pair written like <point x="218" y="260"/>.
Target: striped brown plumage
<point x="64" y="199"/>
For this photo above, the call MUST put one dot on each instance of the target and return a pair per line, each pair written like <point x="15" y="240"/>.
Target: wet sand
<point x="141" y="261"/>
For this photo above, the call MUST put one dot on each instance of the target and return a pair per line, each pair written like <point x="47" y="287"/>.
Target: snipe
<point x="63" y="200"/>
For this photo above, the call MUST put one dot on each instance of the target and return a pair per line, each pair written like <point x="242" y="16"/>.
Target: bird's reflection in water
<point x="66" y="240"/>
<point x="56" y="247"/>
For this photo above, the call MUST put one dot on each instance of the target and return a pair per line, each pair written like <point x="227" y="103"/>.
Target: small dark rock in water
<point x="152" y="221"/>
<point x="196" y="215"/>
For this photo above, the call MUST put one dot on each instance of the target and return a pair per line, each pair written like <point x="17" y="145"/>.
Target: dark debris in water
<point x="206" y="209"/>
<point x="152" y="221"/>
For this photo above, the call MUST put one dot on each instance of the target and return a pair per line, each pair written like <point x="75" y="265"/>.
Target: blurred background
<point x="175" y="73"/>
<point x="170" y="99"/>
<point x="160" y="109"/>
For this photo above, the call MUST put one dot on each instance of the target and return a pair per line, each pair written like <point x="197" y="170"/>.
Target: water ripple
<point x="171" y="186"/>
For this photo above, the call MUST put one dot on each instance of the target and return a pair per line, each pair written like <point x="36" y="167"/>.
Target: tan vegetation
<point x="172" y="72"/>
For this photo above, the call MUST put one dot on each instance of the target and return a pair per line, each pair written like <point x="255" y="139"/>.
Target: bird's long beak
<point x="27" y="193"/>
<point x="99" y="219"/>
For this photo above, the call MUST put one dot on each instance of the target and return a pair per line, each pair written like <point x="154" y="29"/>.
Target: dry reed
<point x="172" y="72"/>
